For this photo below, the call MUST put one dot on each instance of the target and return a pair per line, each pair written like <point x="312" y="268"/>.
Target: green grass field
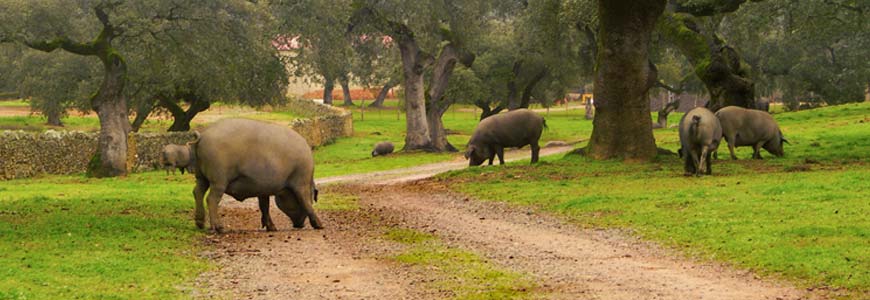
<point x="804" y="217"/>
<point x="14" y="103"/>
<point x="65" y="237"/>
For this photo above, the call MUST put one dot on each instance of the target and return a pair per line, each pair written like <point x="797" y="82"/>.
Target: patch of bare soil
<point x="300" y="264"/>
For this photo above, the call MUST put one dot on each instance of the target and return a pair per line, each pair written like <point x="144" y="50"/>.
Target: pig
<point x="700" y="134"/>
<point x="246" y="158"/>
<point x="383" y="148"/>
<point x="749" y="127"/>
<point x="515" y="128"/>
<point x="176" y="156"/>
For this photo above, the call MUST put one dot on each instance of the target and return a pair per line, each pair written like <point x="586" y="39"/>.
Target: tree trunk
<point x="437" y="130"/>
<point x="345" y="88"/>
<point x="379" y="101"/>
<point x="622" y="127"/>
<point x="486" y="111"/>
<point x="513" y="97"/>
<point x="413" y="62"/>
<point x="328" y="86"/>
<point x="725" y="75"/>
<point x="666" y="110"/>
<point x="53" y="118"/>
<point x="111" y="108"/>
<point x="436" y="104"/>
<point x="109" y="101"/>
<point x="527" y="91"/>
<point x="142" y="113"/>
<point x="182" y="118"/>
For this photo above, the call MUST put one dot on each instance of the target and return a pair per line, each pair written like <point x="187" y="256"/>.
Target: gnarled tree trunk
<point x="109" y="101"/>
<point x="519" y="91"/>
<point x="53" y="118"/>
<point x="417" y="136"/>
<point x="142" y="111"/>
<point x="725" y="75"/>
<point x="328" y="86"/>
<point x="345" y="89"/>
<point x="111" y="108"/>
<point x="530" y="86"/>
<point x="667" y="109"/>
<point x="182" y="118"/>
<point x="486" y="110"/>
<point x="382" y="95"/>
<point x="436" y="104"/>
<point x="622" y="127"/>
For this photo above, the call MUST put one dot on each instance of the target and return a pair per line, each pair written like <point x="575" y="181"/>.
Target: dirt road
<point x="348" y="260"/>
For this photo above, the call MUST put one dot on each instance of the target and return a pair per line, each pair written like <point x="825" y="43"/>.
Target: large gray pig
<point x="749" y="127"/>
<point x="176" y="156"/>
<point x="245" y="158"/>
<point x="515" y="128"/>
<point x="700" y="134"/>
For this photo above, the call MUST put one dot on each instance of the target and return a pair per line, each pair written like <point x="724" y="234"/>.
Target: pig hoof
<point x="318" y="226"/>
<point x="218" y="229"/>
<point x="687" y="174"/>
<point x="200" y="225"/>
<point x="271" y="227"/>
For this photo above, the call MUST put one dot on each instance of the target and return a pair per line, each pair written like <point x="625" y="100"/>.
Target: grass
<point x="803" y="217"/>
<point x="353" y="155"/>
<point x="14" y="103"/>
<point x="65" y="237"/>
<point x="464" y="274"/>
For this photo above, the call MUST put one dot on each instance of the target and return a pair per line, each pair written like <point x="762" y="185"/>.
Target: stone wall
<point x="322" y="124"/>
<point x="26" y="154"/>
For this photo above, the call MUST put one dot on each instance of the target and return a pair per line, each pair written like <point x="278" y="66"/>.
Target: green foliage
<point x="324" y="53"/>
<point x="802" y="216"/>
<point x="465" y="274"/>
<point x="811" y="51"/>
<point x="64" y="237"/>
<point x="226" y="56"/>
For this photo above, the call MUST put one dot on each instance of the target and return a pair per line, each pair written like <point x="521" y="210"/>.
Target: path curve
<point x="345" y="262"/>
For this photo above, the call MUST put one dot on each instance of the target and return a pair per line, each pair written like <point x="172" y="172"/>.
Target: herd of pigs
<point x="246" y="158"/>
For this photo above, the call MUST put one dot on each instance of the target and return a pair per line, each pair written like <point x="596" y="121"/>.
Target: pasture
<point x="802" y="218"/>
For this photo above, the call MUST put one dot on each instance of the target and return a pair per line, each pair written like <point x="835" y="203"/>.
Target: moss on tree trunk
<point x="725" y="75"/>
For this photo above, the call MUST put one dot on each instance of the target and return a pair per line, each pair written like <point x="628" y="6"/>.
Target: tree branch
<point x="663" y="85"/>
<point x="65" y="44"/>
<point x="857" y="9"/>
<point x="707" y="7"/>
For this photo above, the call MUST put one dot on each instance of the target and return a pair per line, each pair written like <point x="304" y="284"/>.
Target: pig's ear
<point x="468" y="151"/>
